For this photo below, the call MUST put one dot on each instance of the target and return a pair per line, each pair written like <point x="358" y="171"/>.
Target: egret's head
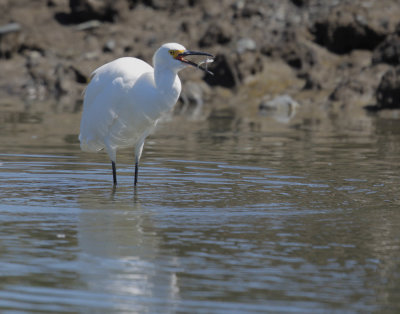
<point x="174" y="56"/>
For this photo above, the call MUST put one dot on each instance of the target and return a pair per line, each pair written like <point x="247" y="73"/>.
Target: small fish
<point x="206" y="62"/>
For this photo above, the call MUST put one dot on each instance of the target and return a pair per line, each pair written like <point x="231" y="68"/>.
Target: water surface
<point x="231" y="215"/>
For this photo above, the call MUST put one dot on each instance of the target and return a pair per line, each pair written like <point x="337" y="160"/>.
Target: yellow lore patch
<point x="175" y="53"/>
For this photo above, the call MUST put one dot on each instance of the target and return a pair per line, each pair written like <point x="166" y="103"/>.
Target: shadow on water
<point x="231" y="215"/>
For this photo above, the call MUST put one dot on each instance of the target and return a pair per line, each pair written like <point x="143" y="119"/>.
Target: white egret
<point x="126" y="97"/>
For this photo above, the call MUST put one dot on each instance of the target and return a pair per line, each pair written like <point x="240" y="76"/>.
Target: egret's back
<point x="103" y="96"/>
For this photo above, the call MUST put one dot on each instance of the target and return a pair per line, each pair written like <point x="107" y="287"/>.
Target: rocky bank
<point x="333" y="53"/>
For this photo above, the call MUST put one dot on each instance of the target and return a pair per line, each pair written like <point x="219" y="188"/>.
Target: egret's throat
<point x="167" y="84"/>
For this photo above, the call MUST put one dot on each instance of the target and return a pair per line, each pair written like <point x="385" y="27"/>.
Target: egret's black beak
<point x="181" y="57"/>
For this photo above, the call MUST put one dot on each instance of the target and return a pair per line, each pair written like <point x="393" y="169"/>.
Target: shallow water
<point x="230" y="215"/>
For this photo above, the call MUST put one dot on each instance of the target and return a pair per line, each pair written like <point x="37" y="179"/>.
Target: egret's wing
<point x="129" y="69"/>
<point x="103" y="96"/>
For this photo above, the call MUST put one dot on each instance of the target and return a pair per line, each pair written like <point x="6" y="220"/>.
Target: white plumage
<point x="126" y="97"/>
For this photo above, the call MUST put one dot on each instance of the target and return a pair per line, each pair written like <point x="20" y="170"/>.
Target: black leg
<point x="136" y="172"/>
<point x="114" y="173"/>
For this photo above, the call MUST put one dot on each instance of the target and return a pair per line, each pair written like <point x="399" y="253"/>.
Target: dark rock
<point x="344" y="29"/>
<point x="312" y="81"/>
<point x="388" y="51"/>
<point x="298" y="56"/>
<point x="216" y="33"/>
<point x="292" y="50"/>
<point x="300" y="3"/>
<point x="79" y="76"/>
<point x="86" y="10"/>
<point x="163" y="5"/>
<point x="51" y="80"/>
<point x="225" y="74"/>
<point x="358" y="87"/>
<point x="345" y="90"/>
<point x="388" y="92"/>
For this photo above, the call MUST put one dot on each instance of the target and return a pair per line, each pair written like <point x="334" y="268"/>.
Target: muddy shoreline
<point x="331" y="54"/>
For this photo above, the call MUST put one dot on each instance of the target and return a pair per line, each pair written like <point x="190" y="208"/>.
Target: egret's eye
<point x="172" y="52"/>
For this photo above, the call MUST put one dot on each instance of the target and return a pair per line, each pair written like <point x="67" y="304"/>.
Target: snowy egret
<point x="126" y="97"/>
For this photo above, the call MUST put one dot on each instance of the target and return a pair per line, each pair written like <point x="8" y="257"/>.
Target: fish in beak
<point x="181" y="57"/>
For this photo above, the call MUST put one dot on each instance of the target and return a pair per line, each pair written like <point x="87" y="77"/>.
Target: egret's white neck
<point x="165" y="79"/>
